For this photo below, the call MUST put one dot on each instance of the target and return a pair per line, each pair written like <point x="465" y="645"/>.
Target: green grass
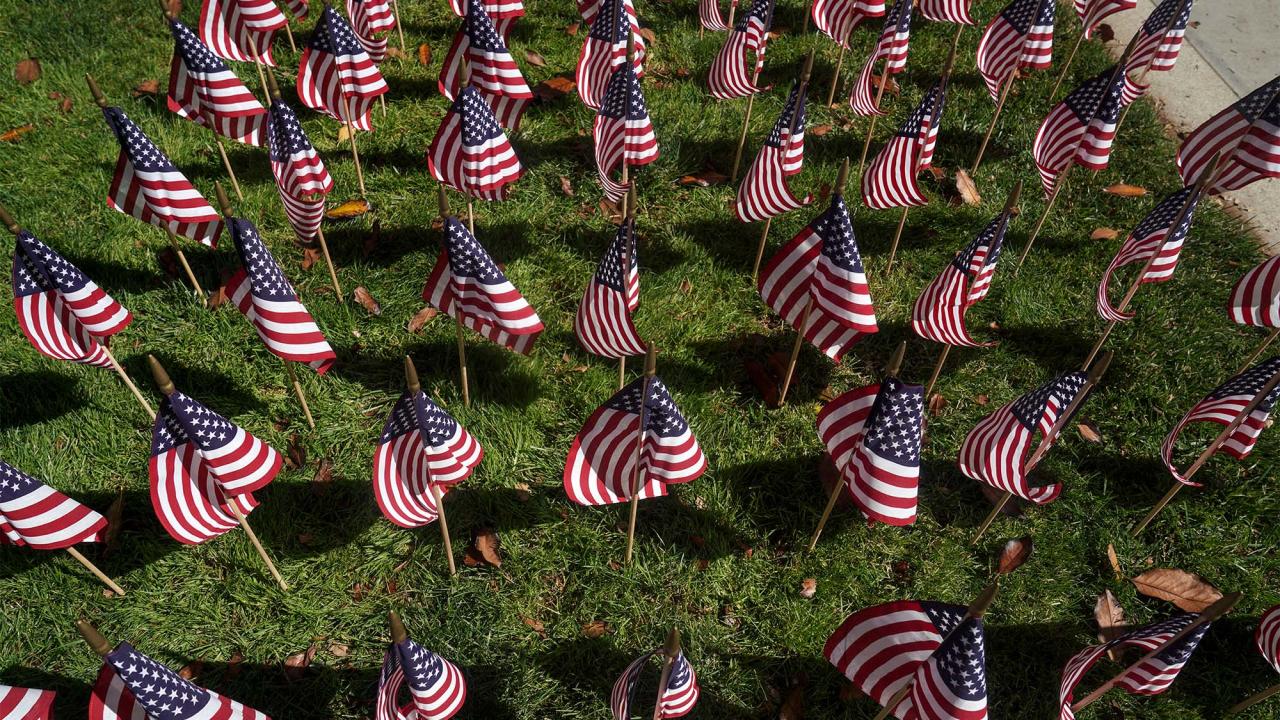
<point x="748" y="631"/>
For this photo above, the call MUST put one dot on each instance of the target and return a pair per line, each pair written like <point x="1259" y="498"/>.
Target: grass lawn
<point x="722" y="558"/>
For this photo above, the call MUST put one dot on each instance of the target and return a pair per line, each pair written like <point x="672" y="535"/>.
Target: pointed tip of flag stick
<point x="273" y="88"/>
<point x="9" y="222"/>
<point x="983" y="602"/>
<point x="1015" y="194"/>
<point x="672" y="645"/>
<point x="160" y="376"/>
<point x="224" y="202"/>
<point x="411" y="376"/>
<point x="895" y="363"/>
<point x="843" y="178"/>
<point x="808" y="66"/>
<point x="1100" y="367"/>
<point x="93" y="638"/>
<point x="651" y="361"/>
<point x="96" y="91"/>
<point x="167" y="8"/>
<point x="444" y="202"/>
<point x="398" y="633"/>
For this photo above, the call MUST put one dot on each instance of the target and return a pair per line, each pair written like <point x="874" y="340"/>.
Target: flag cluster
<point x="613" y="28"/>
<point x="241" y="30"/>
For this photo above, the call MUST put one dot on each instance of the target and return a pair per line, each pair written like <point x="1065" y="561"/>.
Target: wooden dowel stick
<point x="302" y="397"/>
<point x="835" y="76"/>
<point x="289" y="33"/>
<point x="1257" y="353"/>
<point x="226" y="163"/>
<point x="670" y="649"/>
<point x="871" y="127"/>
<point x="637" y="475"/>
<point x="73" y="552"/>
<point x="1059" y="184"/>
<point x="804" y="25"/>
<point x="257" y="544"/>
<point x="897" y="235"/>
<point x="764" y="237"/>
<point x="1004" y="95"/>
<point x="444" y="527"/>
<point x="115" y="365"/>
<point x="795" y="353"/>
<point x="742" y="137"/>
<point x="471" y="216"/>
<point x="1066" y="67"/>
<point x="462" y="365"/>
<point x="622" y="372"/>
<point x="733" y="8"/>
<point x="1253" y="699"/>
<point x="937" y="370"/>
<point x="328" y="261"/>
<point x="186" y="267"/>
<point x="346" y="112"/>
<point x="395" y="8"/>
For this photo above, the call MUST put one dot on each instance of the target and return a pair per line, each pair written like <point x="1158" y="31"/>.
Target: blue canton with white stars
<point x="1262" y="102"/>
<point x="1250" y="382"/>
<point x="480" y="31"/>
<point x="835" y="229"/>
<point x="1164" y="215"/>
<point x="930" y="108"/>
<point x="1098" y="98"/>
<point x="466" y="257"/>
<point x="623" y="94"/>
<point x="14" y="483"/>
<point x="761" y="11"/>
<point x="898" y="19"/>
<point x="423" y="669"/>
<point x="160" y="691"/>
<point x="681" y="673"/>
<point x="961" y="657"/>
<point x="37" y="268"/>
<point x="182" y="419"/>
<point x="478" y="123"/>
<point x="285" y="137"/>
<point x="142" y="152"/>
<point x="1159" y="19"/>
<point x="609" y="271"/>
<point x="1021" y="14"/>
<point x="1177" y="653"/>
<point x="892" y="429"/>
<point x="992" y="238"/>
<point x="784" y="123"/>
<point x="334" y="36"/>
<point x="1030" y="408"/>
<point x="266" y="279"/>
<point x="417" y="412"/>
<point x="195" y="55"/>
<point x="661" y="416"/>
<point x="610" y="23"/>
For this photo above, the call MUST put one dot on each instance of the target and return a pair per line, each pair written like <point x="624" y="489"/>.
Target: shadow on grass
<point x="41" y="394"/>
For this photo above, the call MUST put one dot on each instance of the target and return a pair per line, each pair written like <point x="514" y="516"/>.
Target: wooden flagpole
<point x="871" y="127"/>
<point x="835" y="76"/>
<point x="289" y="33"/>
<point x="895" y="364"/>
<point x="637" y="474"/>
<point x="355" y="147"/>
<point x="71" y="550"/>
<point x="395" y="8"/>
<point x="398" y="633"/>
<point x="628" y="215"/>
<point x="733" y="8"/>
<point x="1257" y="353"/>
<point x="462" y="341"/>
<point x="808" y="10"/>
<point x="1142" y="77"/>
<point x="1253" y="699"/>
<point x="415" y="387"/>
<point x="1067" y="66"/>
<point x="1095" y="374"/>
<point x="670" y="649"/>
<point x="257" y="63"/>
<point x="795" y="117"/>
<point x="1004" y="95"/>
<point x="751" y="99"/>
<point x="94" y="638"/>
<point x="897" y="236"/>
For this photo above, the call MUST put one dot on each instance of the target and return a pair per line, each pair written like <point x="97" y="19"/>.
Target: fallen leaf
<point x="1124" y="190"/>
<point x="1104" y="233"/>
<point x="1110" y="618"/>
<point x="14" y="133"/>
<point x="297" y="455"/>
<point x="234" y="665"/>
<point x="1089" y="431"/>
<point x="392" y="587"/>
<point x="296" y="664"/>
<point x="572" y="29"/>
<point x="484" y="548"/>
<point x="396" y="53"/>
<point x="982" y="399"/>
<point x="424" y="54"/>
<point x="357" y="592"/>
<point x="967" y="189"/>
<point x="66" y="105"/>
<point x="648" y="35"/>
<point x="1014" y="554"/>
<point x="522" y="492"/>
<point x="339" y="650"/>
<point x="824" y="191"/>
<point x="554" y="88"/>
<point x="1105" y="33"/>
<point x="146" y="87"/>
<point x="344" y="134"/>
<point x="703" y="564"/>
<point x="27" y="71"/>
<point x="706" y="178"/>
<point x="808" y="587"/>
<point x="323" y="479"/>
<point x="566" y="187"/>
<point x="793" y="708"/>
<point x="936" y="403"/>
<point x="611" y="212"/>
<point x="1189" y="592"/>
<point x="366" y="301"/>
<point x="818" y="131"/>
<point x="685" y="286"/>
<point x="535" y="59"/>
<point x="219" y="297"/>
<point x="304" y="539"/>
<point x="890" y="85"/>
<point x="310" y="256"/>
<point x="348" y="209"/>
<point x="191" y="670"/>
<point x="421" y="318"/>
<point x="1115" y="562"/>
<point x="594" y="629"/>
<point x="536" y="626"/>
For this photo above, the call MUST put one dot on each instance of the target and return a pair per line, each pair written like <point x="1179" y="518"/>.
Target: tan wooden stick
<point x="746" y="123"/>
<point x="115" y="364"/>
<point x="415" y="387"/>
<point x="297" y="390"/>
<point x="670" y="649"/>
<point x="226" y="163"/>
<point x="71" y="550"/>
<point x="1004" y="95"/>
<point x="289" y="32"/>
<point x="1253" y="699"/>
<point x="395" y="8"/>
<point x="462" y="340"/>
<point x="937" y="370"/>
<point x="795" y="352"/>
<point x="637" y="475"/>
<point x="346" y="111"/>
<point x="328" y="261"/>
<point x="1257" y="353"/>
<point x="897" y="236"/>
<point x="795" y="117"/>
<point x="1067" y="65"/>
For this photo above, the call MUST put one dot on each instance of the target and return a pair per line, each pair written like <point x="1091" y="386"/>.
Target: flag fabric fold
<point x="18" y="703"/>
<point x="730" y="76"/>
<point x="371" y="21"/>
<point x="603" y="323"/>
<point x="35" y="515"/>
<point x="301" y="177"/>
<point x="504" y="13"/>
<point x="1267" y="636"/>
<point x="891" y="47"/>
<point x="890" y="180"/>
<point x="604" y="50"/>
<point x="1246" y="134"/>
<point x="1161" y="234"/>
<point x="241" y="30"/>
<point x="1021" y="37"/>
<point x="1093" y="12"/>
<point x="336" y="76"/>
<point x="1160" y="37"/>
<point x="1255" y="299"/>
<point x="622" y="131"/>
<point x="132" y="686"/>
<point x="479" y="58"/>
<point x="709" y="15"/>
<point x="437" y="688"/>
<point x="1081" y="128"/>
<point x="205" y="91"/>
<point x="764" y="192"/>
<point x="938" y="314"/>
<point x="952" y="11"/>
<point x="470" y="153"/>
<point x="837" y="19"/>
<point x="678" y="698"/>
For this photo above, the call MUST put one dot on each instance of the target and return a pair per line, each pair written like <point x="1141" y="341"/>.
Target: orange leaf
<point x="146" y="87"/>
<point x="27" y="71"/>
<point x="706" y="178"/>
<point x="594" y="629"/>
<point x="1014" y="554"/>
<point x="1104" y="233"/>
<point x="572" y="29"/>
<point x="819" y="131"/>
<point x="535" y="59"/>
<point x="566" y="187"/>
<point x="1124" y="190"/>
<point x="484" y="548"/>
<point x="12" y="134"/>
<point x="648" y="35"/>
<point x="421" y="318"/>
<point x="808" y="588"/>
<point x="348" y="209"/>
<point x="554" y="88"/>
<point x="967" y="189"/>
<point x="367" y="302"/>
<point x="424" y="54"/>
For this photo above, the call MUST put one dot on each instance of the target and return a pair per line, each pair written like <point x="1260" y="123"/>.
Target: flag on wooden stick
<point x="335" y="74"/>
<point x="622" y="132"/>
<point x="1160" y="37"/>
<point x="34" y="515"/>
<point x="1156" y="242"/>
<point x="614" y="29"/>
<point x="1255" y="299"/>
<point x="675" y="700"/>
<point x="133" y="686"/>
<point x="479" y="58"/>
<point x="470" y="152"/>
<point x="372" y="21"/>
<point x="709" y="15"/>
<point x="938" y="314"/>
<point x="241" y="30"/>
<point x="205" y="91"/>
<point x="1020" y="37"/>
<point x="301" y="177"/>
<point x="890" y="179"/>
<point x="837" y="19"/>
<point x="437" y="688"/>
<point x="603" y="322"/>
<point x="730" y="76"/>
<point x="891" y="47"/>
<point x="1246" y="134"/>
<point x="764" y="193"/>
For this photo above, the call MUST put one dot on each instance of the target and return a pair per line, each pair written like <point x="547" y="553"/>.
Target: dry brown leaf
<point x="967" y="189"/>
<point x="14" y="133"/>
<point x="344" y="134"/>
<point x="339" y="650"/>
<point x="1188" y="591"/>
<point x="65" y="106"/>
<point x="323" y="479"/>
<point x="421" y="318"/>
<point x="1105" y="33"/>
<point x="648" y="35"/>
<point x="554" y="88"/>
<point x="396" y="53"/>
<point x="686" y="287"/>
<point x="982" y="399"/>
<point x="764" y="383"/>
<point x="484" y="548"/>
<point x="808" y="587"/>
<point x="191" y="670"/>
<point x="1089" y="431"/>
<point x="706" y="178"/>
<point x="367" y="302"/>
<point x="1110" y="618"/>
<point x="819" y="130"/>
<point x="890" y="85"/>
<point x="27" y="71"/>
<point x="611" y="212"/>
<point x="146" y="87"/>
<point x="536" y="625"/>
<point x="1124" y="190"/>
<point x="1014" y="554"/>
<point x="572" y="29"/>
<point x="310" y="256"/>
<point x="594" y="629"/>
<point x="535" y="59"/>
<point x="566" y="187"/>
<point x="936" y="403"/>
<point x="296" y="664"/>
<point x="1115" y="562"/>
<point x="348" y="209"/>
<point x="424" y="54"/>
<point x="824" y="191"/>
<point x="523" y="494"/>
<point x="1104" y="233"/>
<point x="297" y="455"/>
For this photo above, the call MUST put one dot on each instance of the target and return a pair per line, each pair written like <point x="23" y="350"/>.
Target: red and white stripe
<point x="880" y="648"/>
<point x="952" y="11"/>
<point x="25" y="703"/>
<point x="709" y="15"/>
<point x="166" y="200"/>
<point x="499" y="10"/>
<point x="1003" y="48"/>
<point x="995" y="452"/>
<point x="341" y="86"/>
<point x="938" y="314"/>
<point x="729" y="76"/>
<point x="1250" y="148"/>
<point x="50" y="325"/>
<point x="599" y="58"/>
<point x="1267" y="636"/>
<point x="298" y="8"/>
<point x="837" y="19"/>
<point x="498" y="311"/>
<point x="440" y="700"/>
<point x="484" y="171"/>
<point x="1223" y="411"/>
<point x="1093" y="12"/>
<point x="43" y="518"/>
<point x="1255" y="299"/>
<point x="890" y="181"/>
<point x="891" y="47"/>
<point x="188" y="499"/>
<point x="112" y="700"/>
<point x="883" y="490"/>
<point x="286" y="327"/>
<point x="1164" y="243"/>
<point x="406" y="468"/>
<point x="603" y="322"/>
<point x="216" y="100"/>
<point x="241" y="29"/>
<point x="764" y="193"/>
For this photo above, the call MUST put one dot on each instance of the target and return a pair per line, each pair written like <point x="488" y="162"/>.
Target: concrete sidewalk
<point x="1231" y="52"/>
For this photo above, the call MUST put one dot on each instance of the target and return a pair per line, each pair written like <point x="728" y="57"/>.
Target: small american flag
<point x="1246" y="134"/>
<point x="241" y="29"/>
<point x="821" y="269"/>
<point x="928" y="644"/>
<point x="952" y="11"/>
<point x="369" y="19"/>
<point x="470" y="153"/>
<point x="605" y="49"/>
<point x="467" y="285"/>
<point x="36" y="515"/>
<point x="132" y="686"/>
<point x="837" y="19"/>
<point x="890" y="179"/>
<point x="301" y="177"/>
<point x="490" y="68"/>
<point x="938" y="314"/>
<point x="873" y="437"/>
<point x="266" y="298"/>
<point x="764" y="193"/>
<point x="891" y="47"/>
<point x="203" y="90"/>
<point x="1093" y="12"/>
<point x="1151" y="677"/>
<point x="147" y="186"/>
<point x="437" y="688"/>
<point x="1020" y="36"/>
<point x="1161" y="233"/>
<point x="622" y="132"/>
<point x="1081" y="127"/>
<point x="18" y="703"/>
<point x="1255" y="299"/>
<point x="1267" y="636"/>
<point x="603" y="323"/>
<point x="709" y="15"/>
<point x="503" y="12"/>
<point x="298" y="8"/>
<point x="421" y="446"/>
<point x="335" y="74"/>
<point x="601" y="465"/>
<point x="729" y="76"/>
<point x="201" y="465"/>
<point x="1223" y="406"/>
<point x="1156" y="48"/>
<point x="678" y="698"/>
<point x="63" y="313"/>
<point x="995" y="450"/>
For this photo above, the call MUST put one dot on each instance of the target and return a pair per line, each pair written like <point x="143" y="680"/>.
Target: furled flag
<point x="18" y="703"/>
<point x="817" y="284"/>
<point x="605" y="49"/>
<point x="764" y="192"/>
<point x="1160" y="234"/>
<point x="995" y="450"/>
<point x="709" y="15"/>
<point x="930" y="645"/>
<point x="298" y="8"/>
<point x="1223" y="406"/>
<point x="36" y="515"/>
<point x="1081" y="127"/>
<point x="63" y="313"/>
<point x="1267" y="637"/>
<point x="147" y="186"/>
<point x="437" y="688"/>
<point x="335" y="74"/>
<point x="241" y="29"/>
<point x="678" y="697"/>
<point x="622" y="131"/>
<point x="1093" y="12"/>
<point x="938" y="314"/>
<point x="468" y="286"/>
<point x="370" y="20"/>
<point x="503" y="13"/>
<point x="892" y="48"/>
<point x="873" y="437"/>
<point x="837" y="19"/>
<point x="132" y="686"/>
<point x="470" y="153"/>
<point x="730" y="76"/>
<point x="202" y="465"/>
<point x="301" y="177"/>
<point x="421" y="449"/>
<point x="266" y="298"/>
<point x="952" y="11"/>
<point x="1020" y="37"/>
<point x="601" y="466"/>
<point x="603" y="323"/>
<point x="203" y="90"/>
<point x="890" y="179"/>
<point x="1255" y="299"/>
<point x="478" y="58"/>
<point x="1149" y="677"/>
<point x="1159" y="41"/>
<point x="1247" y="134"/>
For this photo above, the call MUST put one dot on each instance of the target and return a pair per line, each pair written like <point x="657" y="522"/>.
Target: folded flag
<point x="764" y="193"/>
<point x="470" y="153"/>
<point x="890" y="179"/>
<point x="1267" y="637"/>
<point x="604" y="50"/>
<point x="437" y="688"/>
<point x="837" y="19"/>
<point x="479" y="58"/>
<point x="301" y="177"/>
<point x="335" y="74"/>
<point x="729" y="76"/>
<point x="938" y="313"/>
<point x="622" y="132"/>
<point x="241" y="30"/>
<point x="18" y="703"/>
<point x="891" y="47"/>
<point x="1080" y="129"/>
<point x="709" y="15"/>
<point x="1255" y="299"/>
<point x="603" y="322"/>
<point x="1246" y="134"/>
<point x="132" y="686"/>
<point x="370" y="21"/>
<point x="952" y="11"/>
<point x="203" y="90"/>
<point x="1160" y="234"/>
<point x="1093" y="12"/>
<point x="1020" y="37"/>
<point x="678" y="698"/>
<point x="36" y="515"/>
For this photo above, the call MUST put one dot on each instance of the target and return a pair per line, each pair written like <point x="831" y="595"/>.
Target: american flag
<point x="1246" y="134"/>
<point x="63" y="313"/>
<point x="504" y="13"/>
<point x="18" y="703"/>
<point x="892" y="48"/>
<point x="890" y="179"/>
<point x="1093" y="12"/>
<point x="147" y="186"/>
<point x="601" y="465"/>
<point x="821" y="269"/>
<point x="469" y="287"/>
<point x="709" y="15"/>
<point x="837" y="19"/>
<point x="1151" y="677"/>
<point x="1020" y="36"/>
<point x="1267" y="636"/>
<point x="241" y="29"/>
<point x="873" y="437"/>
<point x="489" y="68"/>
<point x="1156" y="46"/>
<point x="437" y="688"/>
<point x="301" y="177"/>
<point x="1255" y="299"/>
<point x="1081" y="127"/>
<point x="266" y="298"/>
<point x="203" y="90"/>
<point x="928" y="644"/>
<point x="622" y="131"/>
<point x="605" y="49"/>
<point x="603" y="323"/>
<point x="335" y="74"/>
<point x="952" y="11"/>
<point x="370" y="18"/>
<point x="202" y="465"/>
<point x="764" y="193"/>
<point x="132" y="686"/>
<point x="298" y="8"/>
<point x="1161" y="233"/>
<point x="470" y="153"/>
<point x="421" y="446"/>
<point x="678" y="698"/>
<point x="938" y="314"/>
<point x="1223" y="406"/>
<point x="36" y="515"/>
<point x="729" y="76"/>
